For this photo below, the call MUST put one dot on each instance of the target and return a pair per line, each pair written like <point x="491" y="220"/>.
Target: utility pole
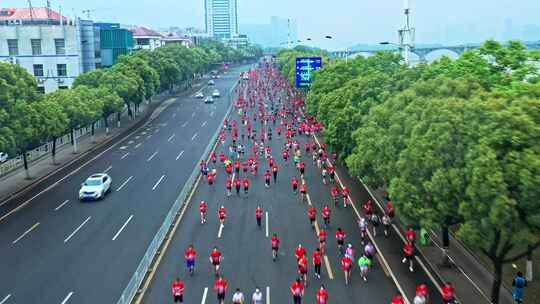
<point x="406" y="34"/>
<point x="31" y="10"/>
<point x="288" y="33"/>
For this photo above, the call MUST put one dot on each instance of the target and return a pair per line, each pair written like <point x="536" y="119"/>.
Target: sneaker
<point x="365" y="279"/>
<point x="411" y="269"/>
<point x="404" y="260"/>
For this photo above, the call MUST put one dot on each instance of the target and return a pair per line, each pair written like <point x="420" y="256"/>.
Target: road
<point x="55" y="249"/>
<point x="246" y="248"/>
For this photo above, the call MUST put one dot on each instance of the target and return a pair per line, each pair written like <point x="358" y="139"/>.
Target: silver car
<point x="3" y="157"/>
<point x="95" y="187"/>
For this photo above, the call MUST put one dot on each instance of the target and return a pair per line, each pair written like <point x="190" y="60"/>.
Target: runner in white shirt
<point x="238" y="297"/>
<point x="257" y="297"/>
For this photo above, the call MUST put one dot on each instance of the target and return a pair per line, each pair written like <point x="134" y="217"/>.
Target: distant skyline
<point x="349" y="21"/>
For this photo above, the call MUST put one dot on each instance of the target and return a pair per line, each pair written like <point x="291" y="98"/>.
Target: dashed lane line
<point x="124" y="156"/>
<point x="171" y="137"/>
<point x="194" y="136"/>
<point x="138" y="145"/>
<point x="152" y="156"/>
<point x="25" y="233"/>
<point x="158" y="182"/>
<point x="180" y="155"/>
<point x="220" y="231"/>
<point x="124" y="183"/>
<point x="4" y="300"/>
<point x="205" y="293"/>
<point x="108" y="169"/>
<point x="61" y="205"/>
<point x="66" y="299"/>
<point x="184" y="124"/>
<point x="122" y="228"/>
<point x="203" y="124"/>
<point x="76" y="230"/>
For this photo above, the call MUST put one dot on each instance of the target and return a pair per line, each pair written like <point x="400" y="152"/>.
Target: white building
<point x="146" y="39"/>
<point x="46" y="44"/>
<point x="221" y="18"/>
<point x="176" y="38"/>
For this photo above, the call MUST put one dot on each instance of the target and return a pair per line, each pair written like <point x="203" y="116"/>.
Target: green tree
<point x="53" y="122"/>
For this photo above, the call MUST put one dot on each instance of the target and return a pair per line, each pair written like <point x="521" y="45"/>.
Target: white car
<point x="211" y="82"/>
<point x="209" y="99"/>
<point x="95" y="187"/>
<point x="215" y="94"/>
<point x="3" y="157"/>
<point x="199" y="95"/>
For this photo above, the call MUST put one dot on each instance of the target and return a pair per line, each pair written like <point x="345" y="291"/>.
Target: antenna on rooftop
<point x="31" y="9"/>
<point x="48" y="11"/>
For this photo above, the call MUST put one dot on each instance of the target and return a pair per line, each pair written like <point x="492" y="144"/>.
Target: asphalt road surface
<point x="246" y="249"/>
<point x="55" y="249"/>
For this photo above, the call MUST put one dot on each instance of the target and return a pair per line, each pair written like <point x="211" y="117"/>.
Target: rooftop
<point x="144" y="32"/>
<point x="27" y="14"/>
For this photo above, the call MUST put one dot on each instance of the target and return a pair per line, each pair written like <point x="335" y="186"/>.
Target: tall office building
<point x="221" y="18"/>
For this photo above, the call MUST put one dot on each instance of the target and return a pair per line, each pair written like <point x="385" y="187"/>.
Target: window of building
<point x="63" y="87"/>
<point x="36" y="46"/>
<point x="61" y="70"/>
<point x="38" y="70"/>
<point x="41" y="90"/>
<point x="60" y="45"/>
<point x="13" y="47"/>
<point x="143" y="41"/>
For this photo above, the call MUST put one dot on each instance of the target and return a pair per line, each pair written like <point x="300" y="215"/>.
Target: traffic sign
<point x="305" y="66"/>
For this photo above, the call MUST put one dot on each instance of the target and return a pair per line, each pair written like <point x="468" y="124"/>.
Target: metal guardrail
<point x="137" y="279"/>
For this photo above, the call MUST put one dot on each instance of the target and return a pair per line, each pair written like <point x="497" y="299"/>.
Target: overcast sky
<point x="349" y="21"/>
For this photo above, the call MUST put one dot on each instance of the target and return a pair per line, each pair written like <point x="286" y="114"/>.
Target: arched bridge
<point x="422" y="52"/>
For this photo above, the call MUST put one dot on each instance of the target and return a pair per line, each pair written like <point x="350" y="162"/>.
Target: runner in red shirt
<point x="368" y="208"/>
<point x="303" y="191"/>
<point x="312" y="214"/>
<point x="275" y="246"/>
<point x="346" y="265"/>
<point x="178" y="291"/>
<point x="215" y="259"/>
<point x="297" y="290"/>
<point x="245" y="182"/>
<point x="299" y="252"/>
<point x="322" y="295"/>
<point x="202" y="210"/>
<point x="448" y="293"/>
<point x="322" y="240"/>
<point x="408" y="255"/>
<point x="335" y="195"/>
<point x="410" y="235"/>
<point x="258" y="215"/>
<point x="340" y="237"/>
<point x="222" y="214"/>
<point x="238" y="185"/>
<point x="267" y="176"/>
<point x="317" y="261"/>
<point x="220" y="286"/>
<point x="190" y="256"/>
<point x="422" y="292"/>
<point x="228" y="185"/>
<point x="275" y="170"/>
<point x="210" y="178"/>
<point x="294" y="183"/>
<point x="326" y="216"/>
<point x="302" y="268"/>
<point x="398" y="299"/>
<point x="345" y="193"/>
<point x="302" y="168"/>
<point x="390" y="209"/>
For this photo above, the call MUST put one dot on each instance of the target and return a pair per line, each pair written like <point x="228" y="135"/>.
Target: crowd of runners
<point x="269" y="109"/>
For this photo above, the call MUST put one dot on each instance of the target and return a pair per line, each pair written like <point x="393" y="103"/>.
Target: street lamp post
<point x="346" y="49"/>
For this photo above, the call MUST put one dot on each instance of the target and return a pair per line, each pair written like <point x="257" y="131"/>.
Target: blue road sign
<point x="305" y="66"/>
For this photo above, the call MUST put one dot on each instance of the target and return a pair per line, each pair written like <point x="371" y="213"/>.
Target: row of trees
<point x="28" y="119"/>
<point x="456" y="142"/>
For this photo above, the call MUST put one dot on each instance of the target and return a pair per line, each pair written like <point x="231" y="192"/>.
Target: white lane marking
<point x="4" y="300"/>
<point x="205" y="293"/>
<point x="152" y="156"/>
<point x="203" y="124"/>
<point x="122" y="228"/>
<point x="66" y="299"/>
<point x="76" y="230"/>
<point x="180" y="155"/>
<point x="130" y="142"/>
<point x="124" y="183"/>
<point x="212" y="114"/>
<point x="25" y="233"/>
<point x="61" y="205"/>
<point x="174" y="114"/>
<point x="124" y="156"/>
<point x="184" y="124"/>
<point x="171" y="138"/>
<point x="328" y="268"/>
<point x="137" y="137"/>
<point x="193" y="114"/>
<point x="138" y="145"/>
<point x="193" y="137"/>
<point x="123" y="147"/>
<point x="220" y="231"/>
<point x="266" y="221"/>
<point x="267" y="294"/>
<point x="108" y="169"/>
<point x="148" y="137"/>
<point x="158" y="182"/>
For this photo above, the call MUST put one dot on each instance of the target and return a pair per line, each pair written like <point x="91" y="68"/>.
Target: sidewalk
<point x="15" y="182"/>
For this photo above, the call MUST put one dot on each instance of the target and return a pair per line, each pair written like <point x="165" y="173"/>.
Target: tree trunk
<point x="529" y="265"/>
<point x="445" y="245"/>
<point x="93" y="132"/>
<point x="74" y="141"/>
<point x="106" y="119"/>
<point x="130" y="113"/>
<point x="26" y="169"/>
<point x="118" y="120"/>
<point x="497" y="281"/>
<point x="53" y="150"/>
